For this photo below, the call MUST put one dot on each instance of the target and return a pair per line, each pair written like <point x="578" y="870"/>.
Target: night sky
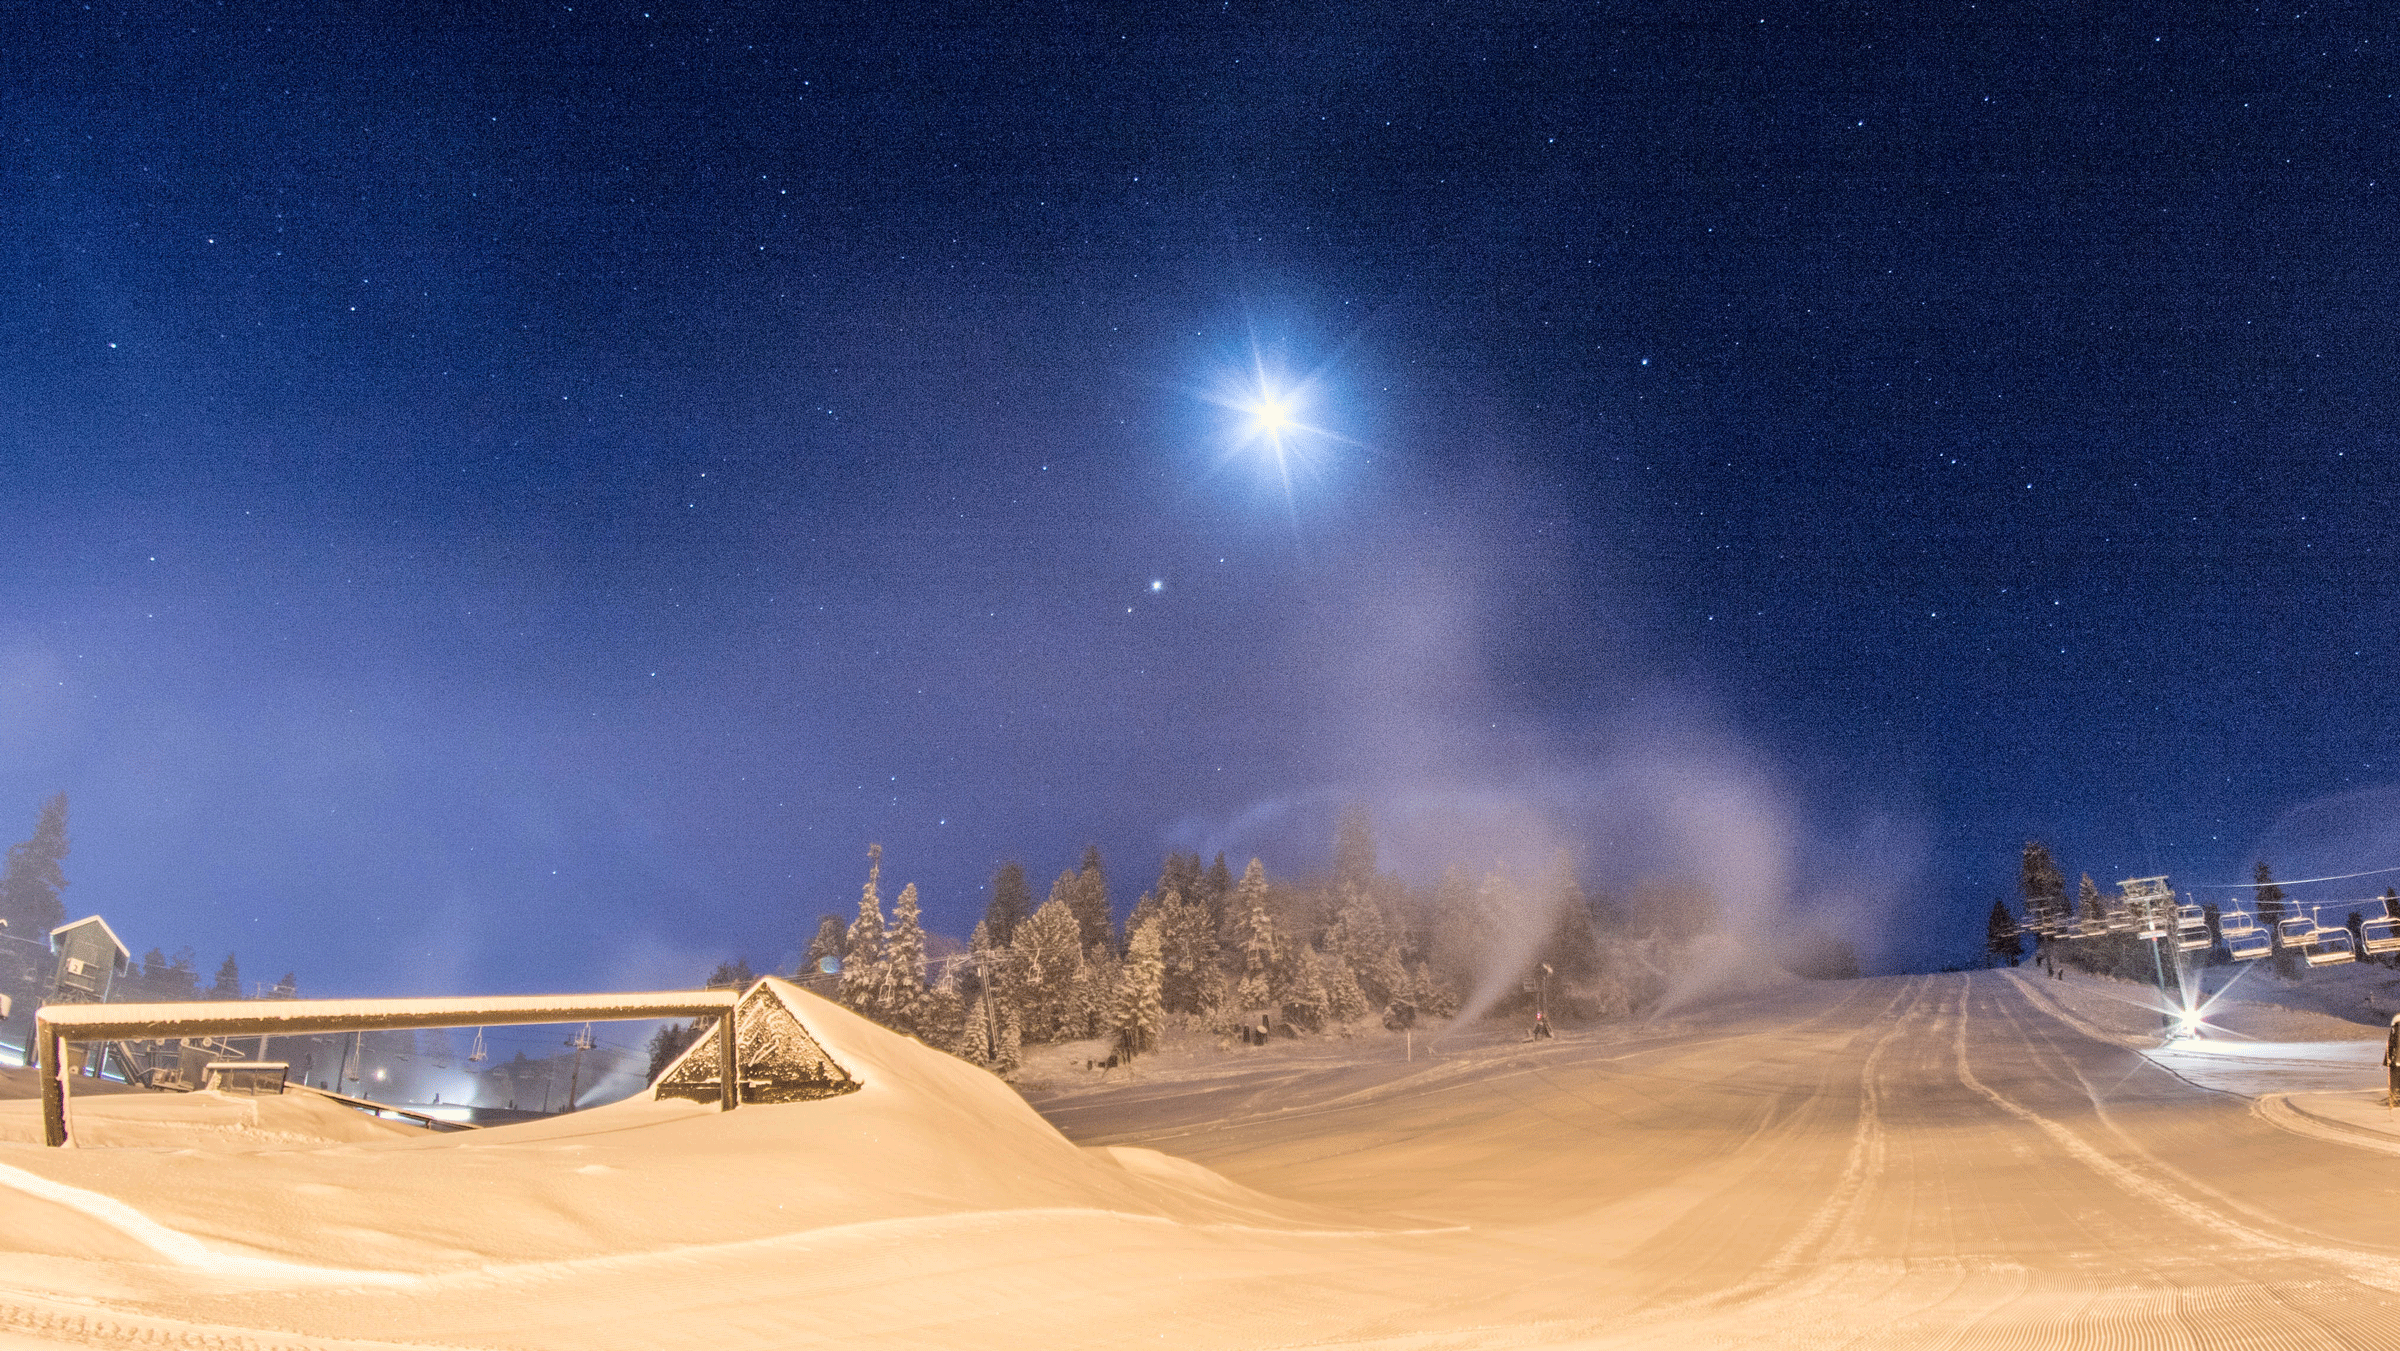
<point x="518" y="497"/>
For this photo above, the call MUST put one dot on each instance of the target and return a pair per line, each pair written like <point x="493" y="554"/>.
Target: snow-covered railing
<point x="57" y="1024"/>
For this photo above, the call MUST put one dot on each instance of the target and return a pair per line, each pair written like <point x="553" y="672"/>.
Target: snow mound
<point x="925" y="1138"/>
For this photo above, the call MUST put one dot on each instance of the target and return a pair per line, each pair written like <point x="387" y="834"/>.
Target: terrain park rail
<point x="57" y="1024"/>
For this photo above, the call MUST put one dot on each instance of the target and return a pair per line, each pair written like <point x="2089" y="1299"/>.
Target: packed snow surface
<point x="1959" y="1160"/>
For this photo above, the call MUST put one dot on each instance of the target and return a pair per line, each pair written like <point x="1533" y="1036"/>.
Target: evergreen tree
<point x="2045" y="888"/>
<point x="2000" y="941"/>
<point x="831" y="940"/>
<point x="1087" y="895"/>
<point x="1008" y="1054"/>
<point x="1140" y="1009"/>
<point x="229" y="980"/>
<point x="1183" y="875"/>
<point x="940" y="1018"/>
<point x="733" y="975"/>
<point x="1188" y="954"/>
<point x="975" y="1035"/>
<point x="1012" y="901"/>
<point x="30" y="883"/>
<point x="1047" y="957"/>
<point x="903" y="996"/>
<point x="862" y="964"/>
<point x="1216" y="892"/>
<point x="1301" y="993"/>
<point x="1256" y="940"/>
<point x="1094" y="993"/>
<point x="1345" y="1002"/>
<point x="667" y="1043"/>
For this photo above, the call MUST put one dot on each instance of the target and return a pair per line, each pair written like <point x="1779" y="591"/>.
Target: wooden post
<point x="729" y="1084"/>
<point x="50" y="1049"/>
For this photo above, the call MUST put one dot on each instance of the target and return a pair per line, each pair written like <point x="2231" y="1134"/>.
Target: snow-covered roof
<point x="123" y="952"/>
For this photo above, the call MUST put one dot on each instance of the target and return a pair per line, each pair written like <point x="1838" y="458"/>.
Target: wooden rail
<point x="57" y="1024"/>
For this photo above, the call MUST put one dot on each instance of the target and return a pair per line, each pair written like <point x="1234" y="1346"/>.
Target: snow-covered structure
<point x="779" y="1059"/>
<point x="90" y="956"/>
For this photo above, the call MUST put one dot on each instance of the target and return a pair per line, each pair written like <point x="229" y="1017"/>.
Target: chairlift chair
<point x="2119" y="920"/>
<point x="2191" y="928"/>
<point x="478" y="1054"/>
<point x="2246" y="940"/>
<point x="2329" y="947"/>
<point x="2380" y="934"/>
<point x="2293" y="933"/>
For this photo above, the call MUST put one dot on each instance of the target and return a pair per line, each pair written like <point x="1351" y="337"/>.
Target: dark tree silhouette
<point x="2000" y="940"/>
<point x="1012" y="901"/>
<point x="30" y="884"/>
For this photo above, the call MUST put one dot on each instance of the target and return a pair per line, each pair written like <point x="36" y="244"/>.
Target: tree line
<point x="1206" y="950"/>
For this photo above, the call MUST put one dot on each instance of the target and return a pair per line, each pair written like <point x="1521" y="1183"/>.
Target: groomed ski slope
<point x="1956" y="1160"/>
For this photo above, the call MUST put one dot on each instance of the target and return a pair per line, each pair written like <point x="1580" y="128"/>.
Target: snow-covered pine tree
<point x="1369" y="947"/>
<point x="1302" y="996"/>
<point x="1188" y="949"/>
<point x="903" y="995"/>
<point x="944" y="1010"/>
<point x="1095" y="993"/>
<point x="30" y="883"/>
<point x="229" y="980"/>
<point x="862" y="964"/>
<point x="829" y="941"/>
<point x="1256" y="940"/>
<point x="1089" y="900"/>
<point x="978" y="1034"/>
<point x="1141" y="1010"/>
<point x="1433" y="996"/>
<point x="1008" y="1056"/>
<point x="1345" y="1002"/>
<point x="1046" y="958"/>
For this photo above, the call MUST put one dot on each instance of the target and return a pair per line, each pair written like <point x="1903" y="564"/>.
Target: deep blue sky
<point x="518" y="499"/>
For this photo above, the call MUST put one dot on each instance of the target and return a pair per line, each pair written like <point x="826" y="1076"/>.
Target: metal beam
<point x="57" y="1024"/>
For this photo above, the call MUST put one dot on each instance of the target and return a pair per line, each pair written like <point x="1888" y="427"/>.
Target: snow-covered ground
<point x="1960" y="1160"/>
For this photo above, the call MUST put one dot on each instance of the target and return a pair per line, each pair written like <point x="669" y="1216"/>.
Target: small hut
<point x="90" y="958"/>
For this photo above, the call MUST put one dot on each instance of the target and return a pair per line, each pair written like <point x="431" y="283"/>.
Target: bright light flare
<point x="1272" y="416"/>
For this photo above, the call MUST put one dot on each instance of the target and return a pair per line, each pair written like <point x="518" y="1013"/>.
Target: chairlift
<point x="2191" y="928"/>
<point x="2246" y="940"/>
<point x="2120" y="920"/>
<point x="2328" y="947"/>
<point x="2293" y="933"/>
<point x="2380" y="934"/>
<point x="478" y="1054"/>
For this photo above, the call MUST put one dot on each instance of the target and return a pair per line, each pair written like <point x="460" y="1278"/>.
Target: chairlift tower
<point x="2149" y="907"/>
<point x="582" y="1042"/>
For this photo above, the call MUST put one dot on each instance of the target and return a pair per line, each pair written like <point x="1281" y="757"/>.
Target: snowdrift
<point x="336" y="1196"/>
